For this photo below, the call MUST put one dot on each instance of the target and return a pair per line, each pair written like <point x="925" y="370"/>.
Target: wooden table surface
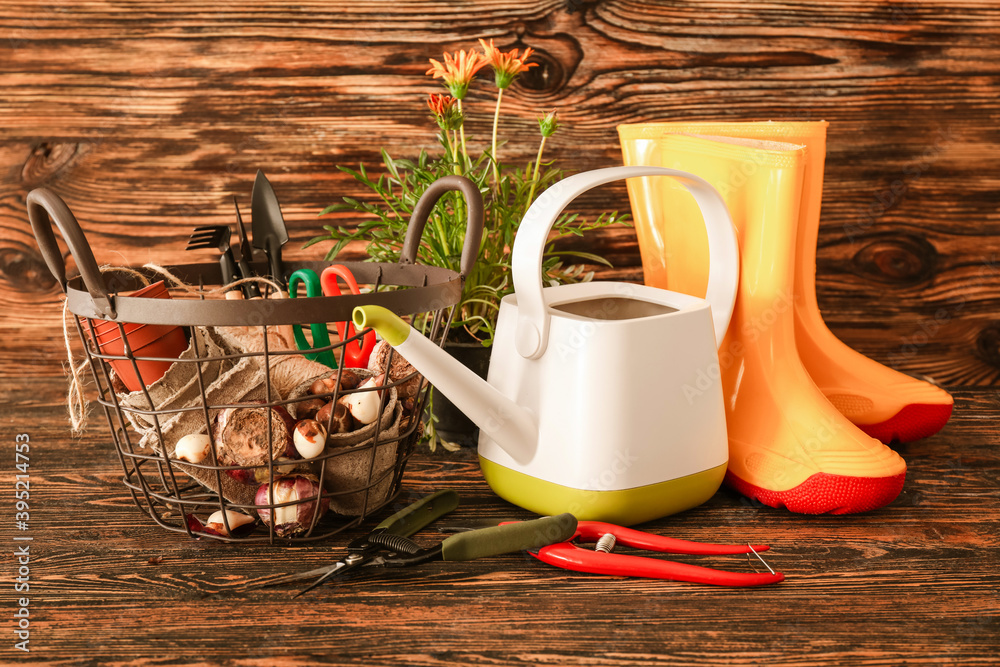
<point x="147" y="117"/>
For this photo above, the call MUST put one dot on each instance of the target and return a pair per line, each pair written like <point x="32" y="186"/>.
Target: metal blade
<point x="246" y="252"/>
<point x="415" y="516"/>
<point x="324" y="571"/>
<point x="267" y="224"/>
<point x="250" y="290"/>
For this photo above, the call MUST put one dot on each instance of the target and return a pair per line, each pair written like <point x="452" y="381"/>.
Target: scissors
<point x="356" y="353"/>
<point x="601" y="559"/>
<point x="389" y="545"/>
<point x="320" y="336"/>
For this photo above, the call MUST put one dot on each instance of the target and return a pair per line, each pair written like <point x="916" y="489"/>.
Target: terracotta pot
<point x="157" y="290"/>
<point x="146" y="340"/>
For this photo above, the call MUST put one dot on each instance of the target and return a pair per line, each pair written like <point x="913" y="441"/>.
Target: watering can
<point x="603" y="399"/>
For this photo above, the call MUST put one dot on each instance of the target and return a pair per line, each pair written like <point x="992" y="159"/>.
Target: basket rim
<point x="430" y="289"/>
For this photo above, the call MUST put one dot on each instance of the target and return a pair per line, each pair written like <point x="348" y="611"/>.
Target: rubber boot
<point x="788" y="445"/>
<point x="882" y="402"/>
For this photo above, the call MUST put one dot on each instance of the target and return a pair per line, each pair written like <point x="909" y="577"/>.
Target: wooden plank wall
<point x="147" y="116"/>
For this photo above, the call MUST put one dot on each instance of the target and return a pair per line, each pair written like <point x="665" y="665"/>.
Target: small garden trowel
<point x="269" y="231"/>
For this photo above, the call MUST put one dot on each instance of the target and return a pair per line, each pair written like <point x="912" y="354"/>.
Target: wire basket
<point x="238" y="392"/>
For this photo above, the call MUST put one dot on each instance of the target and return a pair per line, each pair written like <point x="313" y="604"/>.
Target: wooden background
<point x="147" y="116"/>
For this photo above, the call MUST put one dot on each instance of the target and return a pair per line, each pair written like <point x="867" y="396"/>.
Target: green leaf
<point x="316" y="239"/>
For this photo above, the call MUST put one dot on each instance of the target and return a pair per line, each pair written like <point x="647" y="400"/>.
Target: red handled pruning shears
<point x="601" y="560"/>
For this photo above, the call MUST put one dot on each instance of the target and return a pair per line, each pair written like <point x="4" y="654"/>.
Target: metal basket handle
<point x="46" y="207"/>
<point x="473" y="223"/>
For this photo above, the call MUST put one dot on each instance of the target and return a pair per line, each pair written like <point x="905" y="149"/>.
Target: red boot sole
<point x="913" y="422"/>
<point x="824" y="493"/>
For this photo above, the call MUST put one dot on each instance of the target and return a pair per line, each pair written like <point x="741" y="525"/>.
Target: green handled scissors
<point x="356" y="352"/>
<point x="389" y="544"/>
<point x="320" y="335"/>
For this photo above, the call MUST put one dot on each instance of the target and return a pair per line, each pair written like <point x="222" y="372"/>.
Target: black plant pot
<point x="452" y="425"/>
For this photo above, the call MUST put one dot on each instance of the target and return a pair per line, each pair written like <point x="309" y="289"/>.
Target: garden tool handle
<point x="425" y="206"/>
<point x="356" y="352"/>
<point x="572" y="557"/>
<point x="509" y="537"/>
<point x="45" y="208"/>
<point x="413" y="517"/>
<point x="592" y="531"/>
<point x="531" y="335"/>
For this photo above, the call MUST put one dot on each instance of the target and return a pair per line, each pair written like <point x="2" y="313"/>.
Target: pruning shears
<point x="601" y="559"/>
<point x="388" y="545"/>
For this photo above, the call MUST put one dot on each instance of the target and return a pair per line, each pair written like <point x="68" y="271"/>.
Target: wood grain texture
<point x="916" y="581"/>
<point x="146" y="117"/>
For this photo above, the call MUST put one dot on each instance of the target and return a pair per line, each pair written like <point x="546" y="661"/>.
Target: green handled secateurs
<point x="389" y="545"/>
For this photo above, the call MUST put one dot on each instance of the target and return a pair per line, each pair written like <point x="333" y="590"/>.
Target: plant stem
<point x="461" y="130"/>
<point x="534" y="177"/>
<point x="451" y="150"/>
<point x="446" y="143"/>
<point x="496" y="122"/>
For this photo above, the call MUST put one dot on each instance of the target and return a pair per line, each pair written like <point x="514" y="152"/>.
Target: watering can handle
<point x="45" y="208"/>
<point x="532" y="331"/>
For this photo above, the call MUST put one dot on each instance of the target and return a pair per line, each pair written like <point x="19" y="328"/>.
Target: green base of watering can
<point x="624" y="507"/>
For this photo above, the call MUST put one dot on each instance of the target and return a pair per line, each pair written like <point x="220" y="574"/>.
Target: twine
<point x="77" y="404"/>
<point x="177" y="282"/>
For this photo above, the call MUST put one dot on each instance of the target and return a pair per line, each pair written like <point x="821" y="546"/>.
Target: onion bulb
<point x="303" y="491"/>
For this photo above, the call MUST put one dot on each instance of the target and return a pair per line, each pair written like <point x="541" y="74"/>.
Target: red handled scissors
<point x="602" y="560"/>
<point x="356" y="352"/>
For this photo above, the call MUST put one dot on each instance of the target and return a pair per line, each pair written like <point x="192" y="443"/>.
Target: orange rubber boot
<point x="882" y="402"/>
<point x="788" y="445"/>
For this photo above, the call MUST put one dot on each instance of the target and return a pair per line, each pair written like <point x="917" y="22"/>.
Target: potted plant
<point x="508" y="191"/>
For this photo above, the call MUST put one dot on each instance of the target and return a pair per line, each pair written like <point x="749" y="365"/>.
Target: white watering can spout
<point x="513" y="427"/>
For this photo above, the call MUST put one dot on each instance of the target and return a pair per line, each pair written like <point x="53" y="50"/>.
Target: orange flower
<point x="458" y="70"/>
<point x="440" y="104"/>
<point x="506" y="66"/>
<point x="445" y="111"/>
